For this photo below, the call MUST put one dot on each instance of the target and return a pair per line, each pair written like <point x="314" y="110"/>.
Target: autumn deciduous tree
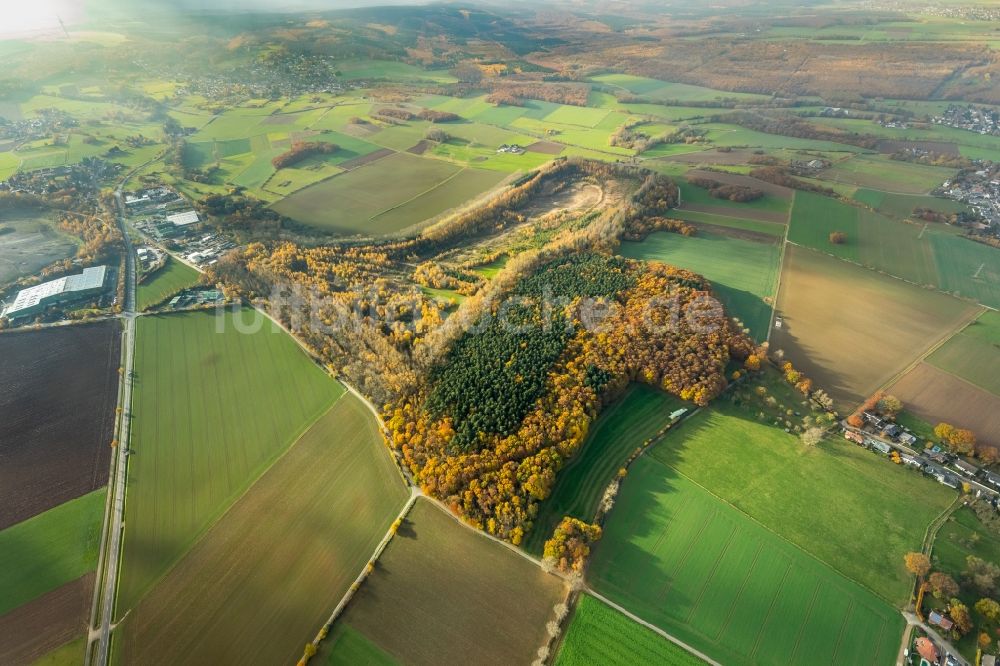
<point x="943" y="431"/>
<point x="838" y="237"/>
<point x="988" y="608"/>
<point x="917" y="563"/>
<point x="890" y="404"/>
<point x="962" y="441"/>
<point x="570" y="544"/>
<point x="959" y="614"/>
<point x="942" y="585"/>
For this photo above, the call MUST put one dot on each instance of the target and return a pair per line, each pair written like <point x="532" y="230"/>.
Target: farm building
<point x="183" y="219"/>
<point x="70" y="288"/>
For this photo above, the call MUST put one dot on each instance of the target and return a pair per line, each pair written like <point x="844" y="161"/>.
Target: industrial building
<point x="68" y="289"/>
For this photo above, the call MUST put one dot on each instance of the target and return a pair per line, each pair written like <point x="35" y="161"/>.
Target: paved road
<point x="115" y="521"/>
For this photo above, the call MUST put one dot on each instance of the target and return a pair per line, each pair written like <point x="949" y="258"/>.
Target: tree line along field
<point x="599" y="634"/>
<point x="46" y="577"/>
<point x="255" y="591"/>
<point x="925" y="254"/>
<point x="441" y="593"/>
<point x="620" y="429"/>
<point x="743" y="272"/>
<point x="58" y="389"/>
<point x="851" y="329"/>
<point x="215" y="404"/>
<point x="677" y="556"/>
<point x="173" y="277"/>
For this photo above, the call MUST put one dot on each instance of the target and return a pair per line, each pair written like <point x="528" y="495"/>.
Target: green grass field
<point x="692" y="194"/>
<point x="880" y="173"/>
<point x="680" y="558"/>
<point x="974" y="353"/>
<point x="860" y="520"/>
<point x="744" y="273"/>
<point x="444" y="594"/>
<point x="349" y="648"/>
<point x="164" y="283"/>
<point x="598" y="634"/>
<point x="743" y="224"/>
<point x="620" y="429"/>
<point x="213" y="407"/>
<point x="49" y="550"/>
<point x="358" y="202"/>
<point x="255" y="590"/>
<point x="814" y="217"/>
<point x="902" y="205"/>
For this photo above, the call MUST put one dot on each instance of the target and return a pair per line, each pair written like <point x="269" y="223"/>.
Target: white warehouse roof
<point x="183" y="219"/>
<point x="91" y="278"/>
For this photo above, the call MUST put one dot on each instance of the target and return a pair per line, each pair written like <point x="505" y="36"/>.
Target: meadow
<point x="620" y="429"/>
<point x="358" y="202"/>
<point x="730" y="222"/>
<point x="49" y="550"/>
<point x="214" y="406"/>
<point x="173" y="277"/>
<point x="814" y="217"/>
<point x="902" y="205"/>
<point x="860" y="520"/>
<point x="744" y="273"/>
<point x="679" y="557"/>
<point x="441" y="593"/>
<point x="598" y="634"/>
<point x="880" y="173"/>
<point x="851" y="329"/>
<point x="974" y="353"/>
<point x="329" y="501"/>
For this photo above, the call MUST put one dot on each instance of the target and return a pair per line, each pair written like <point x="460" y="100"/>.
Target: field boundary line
<point x="783" y="538"/>
<point x="461" y="170"/>
<point x="770" y="609"/>
<point x="843" y="628"/>
<point x="739" y="592"/>
<point x="781" y="271"/>
<point x="635" y="618"/>
<point x="355" y="586"/>
<point x="711" y="576"/>
<point x="805" y="621"/>
<point x="687" y="555"/>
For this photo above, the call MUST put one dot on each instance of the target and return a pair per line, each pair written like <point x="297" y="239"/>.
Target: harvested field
<point x="748" y="213"/>
<point x="949" y="148"/>
<point x="420" y="148"/>
<point x="444" y="594"/>
<point x="746" y="181"/>
<point x="851" y="329"/>
<point x="255" y="591"/>
<point x="34" y="629"/>
<point x="545" y="147"/>
<point x="373" y="156"/>
<point x="58" y="390"/>
<point x="935" y="395"/>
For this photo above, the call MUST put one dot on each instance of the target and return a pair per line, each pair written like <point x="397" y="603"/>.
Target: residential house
<point x="965" y="468"/>
<point x="940" y="620"/>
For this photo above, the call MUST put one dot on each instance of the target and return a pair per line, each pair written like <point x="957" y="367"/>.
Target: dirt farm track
<point x="59" y="389"/>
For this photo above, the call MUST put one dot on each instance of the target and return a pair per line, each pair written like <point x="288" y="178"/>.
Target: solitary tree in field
<point x="812" y="437"/>
<point x="838" y="237"/>
<point x="890" y="404"/>
<point x="917" y="563"/>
